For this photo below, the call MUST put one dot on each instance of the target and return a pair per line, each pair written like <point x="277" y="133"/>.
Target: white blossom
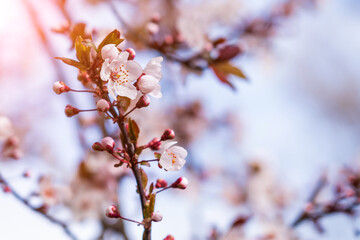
<point x="173" y="157"/>
<point x="149" y="83"/>
<point x="120" y="73"/>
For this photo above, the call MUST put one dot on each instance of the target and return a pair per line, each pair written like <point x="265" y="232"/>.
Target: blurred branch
<point x="304" y="214"/>
<point x="51" y="54"/>
<point x="37" y="210"/>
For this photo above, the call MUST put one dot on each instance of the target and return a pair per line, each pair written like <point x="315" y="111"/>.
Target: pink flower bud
<point x="16" y="153"/>
<point x="152" y="28"/>
<point x="102" y="105"/>
<point x="27" y="174"/>
<point x="71" y="111"/>
<point x="112" y="212"/>
<point x="180" y="183"/>
<point x="98" y="147"/>
<point x="156" y="216"/>
<point x="161" y="183"/>
<point x="156" y="17"/>
<point x="144" y="101"/>
<point x="60" y="87"/>
<point x="168" y="135"/>
<point x="169" y="237"/>
<point x="131" y="52"/>
<point x="6" y="189"/>
<point x="108" y="143"/>
<point x="169" y="40"/>
<point x="155" y="144"/>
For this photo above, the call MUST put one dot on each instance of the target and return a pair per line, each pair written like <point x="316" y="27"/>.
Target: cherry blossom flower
<point x="149" y="83"/>
<point x="173" y="157"/>
<point x="6" y="129"/>
<point x="119" y="72"/>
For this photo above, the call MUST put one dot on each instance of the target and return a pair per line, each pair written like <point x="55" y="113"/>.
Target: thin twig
<point x="319" y="186"/>
<point x="27" y="204"/>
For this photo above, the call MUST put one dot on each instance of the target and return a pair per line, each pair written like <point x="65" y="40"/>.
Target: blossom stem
<point x="88" y="110"/>
<point x="80" y="91"/>
<point x="128" y="112"/>
<point x="27" y="204"/>
<point x="163" y="189"/>
<point x="152" y="160"/>
<point x="130" y="220"/>
<point x="122" y="160"/>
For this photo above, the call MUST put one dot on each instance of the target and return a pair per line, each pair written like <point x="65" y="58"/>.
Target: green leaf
<point x="111" y="38"/>
<point x="144" y="178"/>
<point x="71" y="62"/>
<point x="133" y="131"/>
<point x="157" y="155"/>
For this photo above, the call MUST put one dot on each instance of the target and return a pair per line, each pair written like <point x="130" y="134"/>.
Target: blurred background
<point x="254" y="152"/>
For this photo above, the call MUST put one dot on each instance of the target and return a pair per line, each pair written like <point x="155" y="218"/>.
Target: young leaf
<point x="222" y="76"/>
<point x="111" y="38"/>
<point x="227" y="68"/>
<point x="71" y="62"/>
<point x="228" y="52"/>
<point x="133" y="130"/>
<point x="144" y="178"/>
<point x="82" y="51"/>
<point x="123" y="103"/>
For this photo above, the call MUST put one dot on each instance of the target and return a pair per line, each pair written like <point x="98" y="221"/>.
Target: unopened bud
<point x="102" y="105"/>
<point x="180" y="183"/>
<point x="112" y="212"/>
<point x="60" y="87"/>
<point x="309" y="207"/>
<point x="98" y="147"/>
<point x="131" y="52"/>
<point x="156" y="216"/>
<point x="27" y="174"/>
<point x="152" y="28"/>
<point x="108" y="143"/>
<point x="156" y="17"/>
<point x="155" y="144"/>
<point x="6" y="189"/>
<point x="144" y="101"/>
<point x="16" y="153"/>
<point x="168" y="135"/>
<point x="161" y="183"/>
<point x="71" y="111"/>
<point x="169" y="40"/>
<point x="169" y="237"/>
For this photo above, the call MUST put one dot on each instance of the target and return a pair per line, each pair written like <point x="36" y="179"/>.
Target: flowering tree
<point x="135" y="140"/>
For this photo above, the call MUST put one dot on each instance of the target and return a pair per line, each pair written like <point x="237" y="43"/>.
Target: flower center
<point x="173" y="158"/>
<point x="120" y="75"/>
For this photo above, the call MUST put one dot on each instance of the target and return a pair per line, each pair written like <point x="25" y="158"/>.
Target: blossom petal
<point x="147" y="84"/>
<point x="110" y="52"/>
<point x="105" y="71"/>
<point x="168" y="144"/>
<point x="126" y="90"/>
<point x="123" y="57"/>
<point x="111" y="89"/>
<point x="153" y="68"/>
<point x="156" y="93"/>
<point x="179" y="151"/>
<point x="178" y="164"/>
<point x="134" y="69"/>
